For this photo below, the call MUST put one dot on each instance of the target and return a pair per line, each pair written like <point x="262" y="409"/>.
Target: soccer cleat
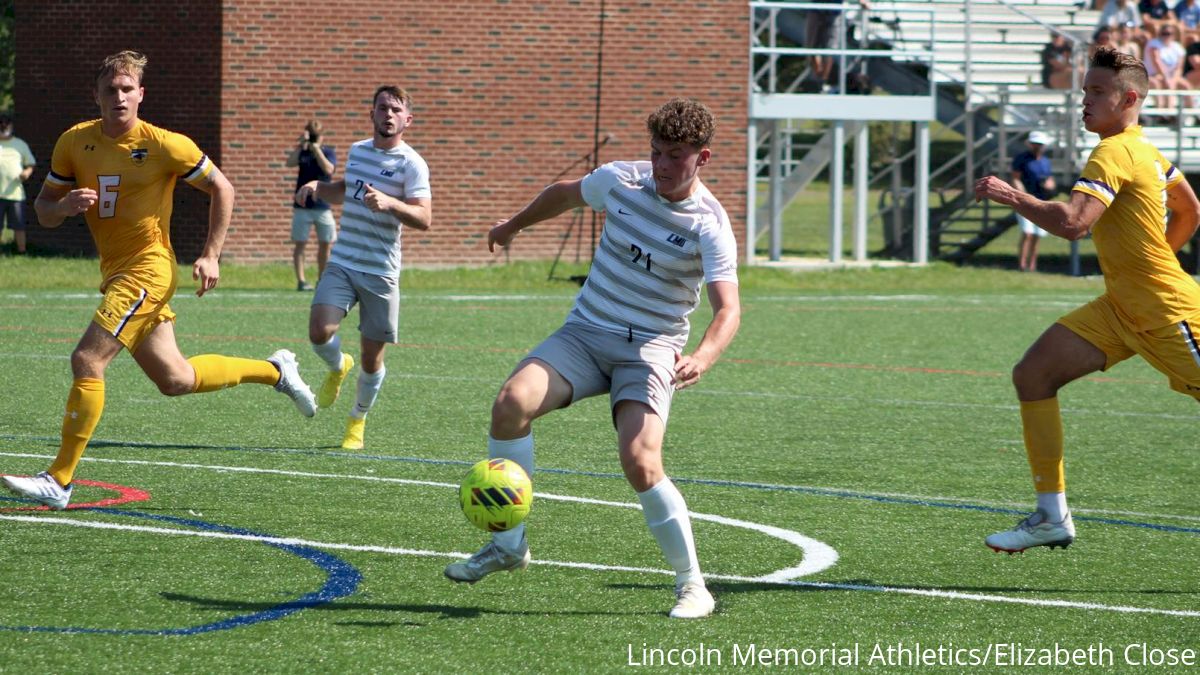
<point x="1033" y="531"/>
<point x="354" y="434"/>
<point x="332" y="386"/>
<point x="41" y="487"/>
<point x="291" y="384"/>
<point x="693" y="601"/>
<point x="488" y="559"/>
<point x="303" y="286"/>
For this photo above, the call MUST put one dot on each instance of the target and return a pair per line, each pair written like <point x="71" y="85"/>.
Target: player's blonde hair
<point x="682" y="120"/>
<point x="126" y="62"/>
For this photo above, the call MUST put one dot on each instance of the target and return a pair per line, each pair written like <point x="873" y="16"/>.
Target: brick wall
<point x="504" y="95"/>
<point x="57" y="54"/>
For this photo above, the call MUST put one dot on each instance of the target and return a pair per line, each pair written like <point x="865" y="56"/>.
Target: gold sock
<point x="214" y="372"/>
<point x="1042" y="423"/>
<point x="85" y="403"/>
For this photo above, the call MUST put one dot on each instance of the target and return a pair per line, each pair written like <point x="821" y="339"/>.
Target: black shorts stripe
<point x="1191" y="339"/>
<point x="129" y="315"/>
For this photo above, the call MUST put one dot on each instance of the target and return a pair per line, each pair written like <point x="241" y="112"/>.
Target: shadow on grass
<point x="442" y="611"/>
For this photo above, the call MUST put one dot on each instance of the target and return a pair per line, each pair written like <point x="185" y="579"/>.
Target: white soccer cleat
<point x="488" y="559"/>
<point x="693" y="601"/>
<point x="291" y="384"/>
<point x="41" y="487"/>
<point x="1034" y="531"/>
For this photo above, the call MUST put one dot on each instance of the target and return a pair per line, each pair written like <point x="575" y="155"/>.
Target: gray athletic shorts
<point x="305" y="219"/>
<point x="595" y="361"/>
<point x="379" y="316"/>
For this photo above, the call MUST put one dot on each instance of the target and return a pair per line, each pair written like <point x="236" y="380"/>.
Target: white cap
<point x="1040" y="137"/>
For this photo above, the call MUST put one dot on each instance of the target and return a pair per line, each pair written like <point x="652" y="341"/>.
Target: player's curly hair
<point x="682" y="120"/>
<point x="1131" y="72"/>
<point x="400" y="93"/>
<point x="126" y="62"/>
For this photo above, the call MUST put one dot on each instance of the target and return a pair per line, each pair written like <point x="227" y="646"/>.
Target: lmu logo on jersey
<point x="387" y="172"/>
<point x="138" y="155"/>
<point x="677" y="240"/>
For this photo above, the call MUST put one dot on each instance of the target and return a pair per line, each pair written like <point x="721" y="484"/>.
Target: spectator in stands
<point x="1031" y="172"/>
<point x="16" y="166"/>
<point x="1122" y="13"/>
<point x="1164" y="65"/>
<point x="1102" y="38"/>
<point x="1155" y="15"/>
<point x="1056" y="63"/>
<point x="1187" y="14"/>
<point x="316" y="161"/>
<point x="1126" y="44"/>
<point x="822" y="30"/>
<point x="1191" y="65"/>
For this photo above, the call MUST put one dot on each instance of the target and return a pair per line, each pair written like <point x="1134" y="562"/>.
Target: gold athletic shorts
<point x="1173" y="350"/>
<point x="130" y="310"/>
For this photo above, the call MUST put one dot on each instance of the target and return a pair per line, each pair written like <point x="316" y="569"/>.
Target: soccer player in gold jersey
<point x="120" y="171"/>
<point x="1150" y="305"/>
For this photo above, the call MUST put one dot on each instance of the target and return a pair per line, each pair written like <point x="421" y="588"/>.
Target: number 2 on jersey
<point x="637" y="255"/>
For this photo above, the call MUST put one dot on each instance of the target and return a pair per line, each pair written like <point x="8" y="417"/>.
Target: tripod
<point x="576" y="220"/>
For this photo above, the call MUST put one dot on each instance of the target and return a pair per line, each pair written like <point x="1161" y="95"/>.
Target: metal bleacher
<point x="983" y="61"/>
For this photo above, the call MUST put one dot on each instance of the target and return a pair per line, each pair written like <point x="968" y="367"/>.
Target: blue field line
<point x="341" y="580"/>
<point x="710" y="482"/>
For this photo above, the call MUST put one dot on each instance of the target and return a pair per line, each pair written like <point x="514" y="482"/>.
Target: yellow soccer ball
<point x="496" y="494"/>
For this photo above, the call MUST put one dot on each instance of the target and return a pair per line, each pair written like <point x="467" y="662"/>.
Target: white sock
<point x="1054" y="504"/>
<point x="667" y="516"/>
<point x="519" y="450"/>
<point x="330" y="352"/>
<point x="368" y="389"/>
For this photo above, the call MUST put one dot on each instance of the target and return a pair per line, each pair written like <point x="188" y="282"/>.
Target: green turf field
<point x="844" y="462"/>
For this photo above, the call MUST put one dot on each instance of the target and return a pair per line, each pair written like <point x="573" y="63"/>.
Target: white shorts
<point x="594" y="361"/>
<point x="379" y="316"/>
<point x="1028" y="227"/>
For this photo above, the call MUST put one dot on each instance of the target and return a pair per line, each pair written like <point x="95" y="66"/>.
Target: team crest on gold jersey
<point x="138" y="155"/>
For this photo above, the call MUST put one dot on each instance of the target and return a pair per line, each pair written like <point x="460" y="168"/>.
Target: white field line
<point x="389" y="550"/>
<point x="817" y="556"/>
<point x="783" y="487"/>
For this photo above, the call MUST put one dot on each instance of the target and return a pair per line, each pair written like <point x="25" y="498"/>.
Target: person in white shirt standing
<point x="384" y="188"/>
<point x="16" y="166"/>
<point x="664" y="235"/>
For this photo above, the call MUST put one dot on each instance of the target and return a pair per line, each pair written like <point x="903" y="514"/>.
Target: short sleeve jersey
<point x="652" y="256"/>
<point x="1142" y="276"/>
<point x="134" y="177"/>
<point x="15" y="156"/>
<point x="369" y="241"/>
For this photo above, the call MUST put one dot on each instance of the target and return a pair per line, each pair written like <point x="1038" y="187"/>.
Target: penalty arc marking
<point x="816" y="556"/>
<point x="785" y="577"/>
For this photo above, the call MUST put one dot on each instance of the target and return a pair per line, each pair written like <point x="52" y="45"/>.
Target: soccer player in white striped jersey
<point x="664" y="235"/>
<point x="384" y="189"/>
